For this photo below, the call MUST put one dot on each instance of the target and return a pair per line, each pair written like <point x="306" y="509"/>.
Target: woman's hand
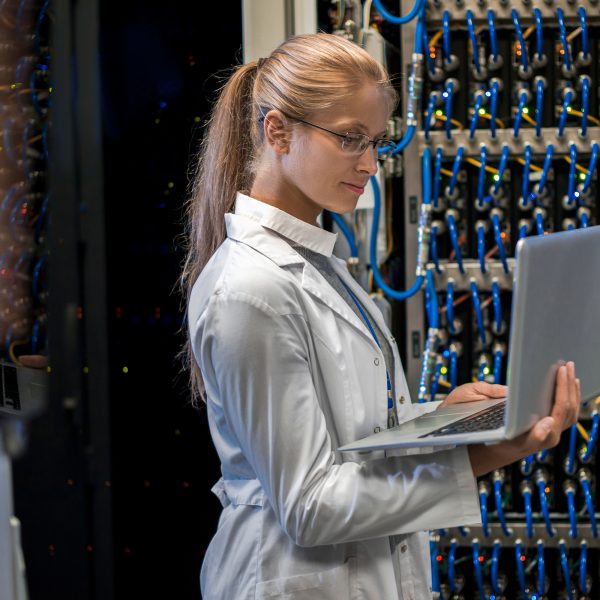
<point x="544" y="434"/>
<point x="479" y="390"/>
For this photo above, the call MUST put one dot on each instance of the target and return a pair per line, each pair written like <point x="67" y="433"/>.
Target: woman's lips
<point x="357" y="189"/>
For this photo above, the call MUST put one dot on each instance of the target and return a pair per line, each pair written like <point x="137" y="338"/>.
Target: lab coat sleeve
<point x="256" y="363"/>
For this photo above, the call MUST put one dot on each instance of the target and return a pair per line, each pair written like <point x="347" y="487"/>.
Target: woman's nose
<point x="367" y="162"/>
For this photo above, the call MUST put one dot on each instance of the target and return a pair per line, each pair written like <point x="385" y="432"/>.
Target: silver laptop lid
<point x="555" y="318"/>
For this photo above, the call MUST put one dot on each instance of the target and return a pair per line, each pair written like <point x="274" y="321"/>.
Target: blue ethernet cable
<point x="455" y="170"/>
<point x="541" y="568"/>
<point x="591" y="443"/>
<point x="447" y="94"/>
<point x="494" y="568"/>
<point x="35" y="277"/>
<point x="497" y="306"/>
<point x="562" y="120"/>
<point x="437" y="174"/>
<point x="585" y="43"/>
<point x="539" y="35"/>
<point x="562" y="30"/>
<point x="475" y="117"/>
<point x="435" y="574"/>
<point x="347" y="232"/>
<point x="544" y="176"/>
<point x="498" y="366"/>
<point x="483" y="367"/>
<point x="541" y="485"/>
<point x="499" y="508"/>
<point x="539" y="223"/>
<point x="435" y="381"/>
<point x="414" y="11"/>
<point x="584" y="585"/>
<point x="434" y="313"/>
<point x="519" y="556"/>
<point x="453" y="369"/>
<point x="526" y="171"/>
<point x="519" y="32"/>
<point x="473" y="40"/>
<point x="477" y="569"/>
<point x="478" y="311"/>
<point x="406" y="140"/>
<point x="501" y="168"/>
<point x="429" y="114"/>
<point x="526" y="491"/>
<point x="446" y="36"/>
<point x="433" y="248"/>
<point x="483" y="494"/>
<point x="585" y="103"/>
<point x="591" y="168"/>
<point x="451" y="563"/>
<point x="519" y="115"/>
<point x="539" y="106"/>
<point x="494" y="108"/>
<point x="570" y="493"/>
<point x="527" y="464"/>
<point x="542" y="455"/>
<point x="481" y="245"/>
<point x="522" y="232"/>
<point x="499" y="241"/>
<point x="564" y="563"/>
<point x="481" y="177"/>
<point x="450" y="306"/>
<point x="464" y="531"/>
<point x="583" y="219"/>
<point x="570" y="462"/>
<point x="571" y="194"/>
<point x="423" y="235"/>
<point x="589" y="502"/>
<point x="493" y="40"/>
<point x="454" y="240"/>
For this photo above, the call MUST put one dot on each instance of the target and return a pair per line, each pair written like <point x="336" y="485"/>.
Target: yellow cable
<point x="528" y="31"/>
<point x="487" y="116"/>
<point x="478" y="164"/>
<point x="583" y="432"/>
<point x="531" y="165"/>
<point x="11" y="350"/>
<point x="435" y="38"/>
<point x="577" y="165"/>
<point x="453" y="121"/>
<point x="578" y="113"/>
<point x="573" y="34"/>
<point x="444" y="383"/>
<point x="446" y="172"/>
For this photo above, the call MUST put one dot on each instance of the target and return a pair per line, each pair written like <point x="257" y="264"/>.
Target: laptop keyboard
<point x="486" y="420"/>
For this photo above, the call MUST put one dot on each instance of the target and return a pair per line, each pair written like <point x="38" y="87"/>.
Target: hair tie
<point x="260" y="62"/>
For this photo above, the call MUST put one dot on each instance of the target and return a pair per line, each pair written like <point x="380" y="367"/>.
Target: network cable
<point x="483" y="496"/>
<point x="437" y="173"/>
<point x="414" y="11"/>
<point x="564" y="563"/>
<point x="451" y="215"/>
<point x="526" y="174"/>
<point x="571" y="196"/>
<point x="585" y="56"/>
<point x="569" y="489"/>
<point x="347" y="232"/>
<point x="435" y="575"/>
<point x="539" y="56"/>
<point x="494" y="61"/>
<point x="481" y="227"/>
<point x="541" y="485"/>
<point x="585" y="103"/>
<point x="495" y="90"/>
<point x="539" y="106"/>
<point x="526" y="492"/>
<point x="544" y="176"/>
<point x="451" y="565"/>
<point x="498" y="500"/>
<point x="453" y="369"/>
<point x="563" y="40"/>
<point x="451" y="191"/>
<point x="562" y="120"/>
<point x="520" y="559"/>
<point x="591" y="168"/>
<point x="519" y="115"/>
<point x="475" y="117"/>
<point x="447" y="94"/>
<point x="591" y="443"/>
<point x="496" y="214"/>
<point x="570" y="462"/>
<point x="477" y="568"/>
<point x="501" y="169"/>
<point x="478" y="311"/>
<point x="524" y="68"/>
<point x="473" y="40"/>
<point x="481" y="177"/>
<point x="584" y="584"/>
<point x="541" y="564"/>
<point x="589" y="503"/>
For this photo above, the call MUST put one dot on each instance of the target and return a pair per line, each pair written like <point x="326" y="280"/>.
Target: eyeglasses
<point x="357" y="143"/>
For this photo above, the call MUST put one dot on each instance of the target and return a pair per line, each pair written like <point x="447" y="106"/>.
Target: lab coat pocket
<point x="333" y="584"/>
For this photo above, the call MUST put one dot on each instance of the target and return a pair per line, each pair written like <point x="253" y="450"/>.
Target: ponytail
<point x="223" y="168"/>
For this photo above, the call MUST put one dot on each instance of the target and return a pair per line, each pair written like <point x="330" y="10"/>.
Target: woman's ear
<point x="277" y="131"/>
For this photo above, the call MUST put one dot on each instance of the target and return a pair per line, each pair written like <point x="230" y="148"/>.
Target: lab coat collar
<point x="257" y="224"/>
<point x="310" y="236"/>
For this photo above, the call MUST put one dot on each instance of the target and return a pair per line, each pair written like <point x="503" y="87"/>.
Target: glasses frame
<point x="382" y="153"/>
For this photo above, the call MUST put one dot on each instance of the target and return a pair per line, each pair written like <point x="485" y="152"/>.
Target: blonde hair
<point x="304" y="75"/>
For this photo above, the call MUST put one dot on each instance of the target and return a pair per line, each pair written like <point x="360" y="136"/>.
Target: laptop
<point x="555" y="318"/>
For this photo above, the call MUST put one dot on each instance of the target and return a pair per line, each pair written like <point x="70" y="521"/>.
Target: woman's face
<point x="316" y="173"/>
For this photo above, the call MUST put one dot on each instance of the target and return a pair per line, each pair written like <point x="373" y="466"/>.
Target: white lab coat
<point x="291" y="373"/>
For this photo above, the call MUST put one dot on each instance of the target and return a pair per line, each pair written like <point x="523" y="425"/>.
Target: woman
<point x="293" y="358"/>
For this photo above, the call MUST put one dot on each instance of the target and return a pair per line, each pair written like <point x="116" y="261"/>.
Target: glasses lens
<point x="355" y="143"/>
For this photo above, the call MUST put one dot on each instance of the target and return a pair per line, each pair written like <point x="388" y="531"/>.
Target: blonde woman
<point x="292" y="357"/>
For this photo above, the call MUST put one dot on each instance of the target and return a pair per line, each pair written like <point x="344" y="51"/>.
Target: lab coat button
<point x="376" y="362"/>
<point x="401" y="400"/>
<point x="403" y="548"/>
